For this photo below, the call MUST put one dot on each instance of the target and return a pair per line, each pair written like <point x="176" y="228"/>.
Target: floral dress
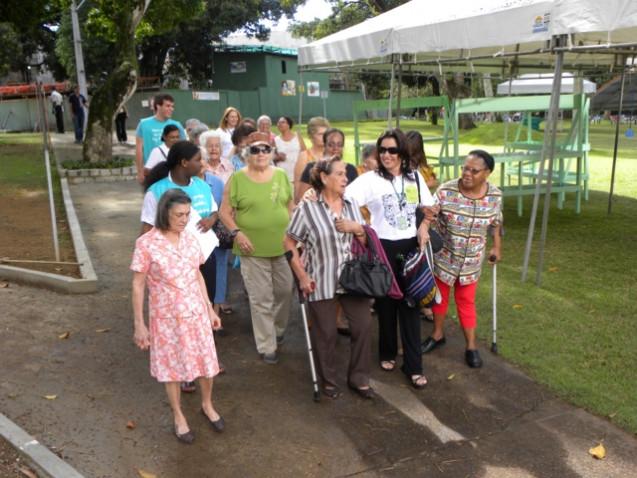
<point x="182" y="347"/>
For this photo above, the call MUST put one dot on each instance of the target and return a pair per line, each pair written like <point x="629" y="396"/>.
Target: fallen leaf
<point x="58" y="269"/>
<point x="517" y="306"/>
<point x="612" y="415"/>
<point x="65" y="335"/>
<point x="12" y="395"/>
<point x="145" y="474"/>
<point x="131" y="425"/>
<point x="27" y="472"/>
<point x="4" y="285"/>
<point x="450" y="377"/>
<point x="101" y="331"/>
<point x="50" y="397"/>
<point x="554" y="269"/>
<point x="598" y="452"/>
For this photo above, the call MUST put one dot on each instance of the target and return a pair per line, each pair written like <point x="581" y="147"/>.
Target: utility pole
<point x="77" y="44"/>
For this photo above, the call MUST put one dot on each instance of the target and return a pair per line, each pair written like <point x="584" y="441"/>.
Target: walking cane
<point x="494" y="291"/>
<point x="316" y="394"/>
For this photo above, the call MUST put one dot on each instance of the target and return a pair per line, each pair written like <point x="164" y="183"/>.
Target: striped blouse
<point x="463" y="224"/>
<point x="326" y="249"/>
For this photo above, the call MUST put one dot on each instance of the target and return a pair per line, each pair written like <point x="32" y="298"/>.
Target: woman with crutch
<point x="326" y="228"/>
<point x="470" y="207"/>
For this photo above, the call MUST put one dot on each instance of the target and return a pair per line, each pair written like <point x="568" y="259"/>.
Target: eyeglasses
<point x="473" y="171"/>
<point x="334" y="145"/>
<point x="266" y="149"/>
<point x="390" y="150"/>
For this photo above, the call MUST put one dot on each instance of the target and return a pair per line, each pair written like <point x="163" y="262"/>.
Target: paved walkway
<point x="491" y="422"/>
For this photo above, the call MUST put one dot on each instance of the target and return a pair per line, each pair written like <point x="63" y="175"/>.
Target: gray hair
<point x="166" y="203"/>
<point x="368" y="150"/>
<point x="192" y="122"/>
<point x="206" y="135"/>
<point x="196" y="131"/>
<point x="263" y="118"/>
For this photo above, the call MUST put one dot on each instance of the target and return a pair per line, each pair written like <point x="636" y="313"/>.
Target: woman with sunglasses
<point x="392" y="194"/>
<point x="470" y="207"/>
<point x="256" y="206"/>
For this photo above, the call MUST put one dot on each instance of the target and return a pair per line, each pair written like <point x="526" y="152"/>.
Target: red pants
<point x="465" y="296"/>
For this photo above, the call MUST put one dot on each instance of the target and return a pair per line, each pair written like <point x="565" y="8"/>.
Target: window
<point x="284" y="67"/>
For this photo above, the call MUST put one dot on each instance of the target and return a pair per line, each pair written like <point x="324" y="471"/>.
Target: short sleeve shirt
<point x="463" y="224"/>
<point x="261" y="211"/>
<point x="198" y="192"/>
<point x="392" y="204"/>
<point x="326" y="249"/>
<point x="150" y="130"/>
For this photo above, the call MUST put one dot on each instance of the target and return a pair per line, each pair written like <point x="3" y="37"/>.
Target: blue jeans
<point x="78" y="126"/>
<point x="221" y="256"/>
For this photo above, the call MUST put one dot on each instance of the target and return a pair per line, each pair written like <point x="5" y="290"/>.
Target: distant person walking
<point x="229" y="121"/>
<point x="78" y="103"/>
<point x="150" y="130"/>
<point x="57" y="102"/>
<point x="120" y="124"/>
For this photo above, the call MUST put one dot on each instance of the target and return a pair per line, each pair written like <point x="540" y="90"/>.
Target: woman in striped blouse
<point x="326" y="228"/>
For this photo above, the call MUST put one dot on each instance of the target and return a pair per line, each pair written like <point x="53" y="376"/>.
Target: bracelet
<point x="359" y="234"/>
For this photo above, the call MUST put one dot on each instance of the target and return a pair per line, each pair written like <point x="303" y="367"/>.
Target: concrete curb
<point x="43" y="460"/>
<point x="69" y="285"/>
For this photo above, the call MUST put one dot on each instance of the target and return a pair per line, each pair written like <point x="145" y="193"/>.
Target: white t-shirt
<point x="392" y="204"/>
<point x="291" y="149"/>
<point x="157" y="155"/>
<point x="226" y="142"/>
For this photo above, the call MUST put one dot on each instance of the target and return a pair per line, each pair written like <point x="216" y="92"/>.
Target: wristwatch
<point x="234" y="232"/>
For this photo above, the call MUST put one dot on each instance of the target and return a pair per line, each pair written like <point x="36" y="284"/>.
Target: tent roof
<point x="607" y="98"/>
<point x="487" y="35"/>
<point x="531" y="84"/>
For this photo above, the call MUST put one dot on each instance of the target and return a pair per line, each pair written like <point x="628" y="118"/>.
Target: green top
<point x="261" y="211"/>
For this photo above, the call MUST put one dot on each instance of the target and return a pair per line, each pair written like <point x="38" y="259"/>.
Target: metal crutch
<point x="494" y="292"/>
<point x="316" y="393"/>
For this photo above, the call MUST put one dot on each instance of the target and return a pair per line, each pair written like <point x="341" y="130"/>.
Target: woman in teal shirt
<point x="256" y="207"/>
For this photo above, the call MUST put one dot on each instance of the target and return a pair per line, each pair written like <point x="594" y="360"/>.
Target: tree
<point x="185" y="28"/>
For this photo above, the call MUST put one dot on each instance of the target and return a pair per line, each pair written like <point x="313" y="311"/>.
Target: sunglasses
<point x="266" y="149"/>
<point x="390" y="150"/>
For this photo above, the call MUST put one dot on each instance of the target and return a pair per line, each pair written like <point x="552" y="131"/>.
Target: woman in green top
<point x="256" y="207"/>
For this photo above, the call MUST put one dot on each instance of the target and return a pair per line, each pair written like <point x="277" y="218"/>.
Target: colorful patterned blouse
<point x="463" y="224"/>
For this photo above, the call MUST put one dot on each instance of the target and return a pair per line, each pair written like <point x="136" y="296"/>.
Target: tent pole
<point x="391" y="94"/>
<point x="555" y="105"/>
<point x="300" y="92"/>
<point x="549" y="130"/>
<point x="400" y="84"/>
<point x="619" y="115"/>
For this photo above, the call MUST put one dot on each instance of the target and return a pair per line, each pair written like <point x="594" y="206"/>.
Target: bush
<point x="116" y="162"/>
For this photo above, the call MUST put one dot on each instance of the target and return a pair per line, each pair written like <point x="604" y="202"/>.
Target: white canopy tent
<point x="532" y="84"/>
<point x="506" y="36"/>
<point x="486" y="35"/>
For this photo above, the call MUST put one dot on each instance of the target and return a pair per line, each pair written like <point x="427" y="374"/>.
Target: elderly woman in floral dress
<point x="181" y="318"/>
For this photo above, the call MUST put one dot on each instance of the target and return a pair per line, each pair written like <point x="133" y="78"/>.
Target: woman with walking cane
<point x="469" y="208"/>
<point x="326" y="228"/>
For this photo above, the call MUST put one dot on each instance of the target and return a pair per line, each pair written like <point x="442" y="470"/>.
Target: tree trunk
<point x="116" y="90"/>
<point x="456" y="88"/>
<point x="435" y="89"/>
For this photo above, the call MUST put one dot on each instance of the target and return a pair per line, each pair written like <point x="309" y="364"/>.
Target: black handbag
<point x="225" y="237"/>
<point x="366" y="275"/>
<point x="434" y="238"/>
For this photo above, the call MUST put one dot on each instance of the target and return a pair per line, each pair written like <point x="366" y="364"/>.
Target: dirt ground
<point x="493" y="422"/>
<point x="29" y="236"/>
<point x="11" y="464"/>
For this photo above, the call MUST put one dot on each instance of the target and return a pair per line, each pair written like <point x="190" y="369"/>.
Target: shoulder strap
<point x="418" y="186"/>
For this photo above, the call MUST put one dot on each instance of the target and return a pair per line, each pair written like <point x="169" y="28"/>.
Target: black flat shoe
<point x="366" y="393"/>
<point x="472" y="357"/>
<point x="430" y="344"/>
<point x="332" y="392"/>
<point x="217" y="425"/>
<point x="186" y="438"/>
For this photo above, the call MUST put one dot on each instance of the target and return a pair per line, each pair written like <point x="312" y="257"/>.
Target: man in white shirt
<point x="57" y="101"/>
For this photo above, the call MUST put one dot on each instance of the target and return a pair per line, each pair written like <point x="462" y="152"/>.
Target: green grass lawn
<point x="576" y="332"/>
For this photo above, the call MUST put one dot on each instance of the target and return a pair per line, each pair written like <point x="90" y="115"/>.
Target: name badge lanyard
<point x="402" y="220"/>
